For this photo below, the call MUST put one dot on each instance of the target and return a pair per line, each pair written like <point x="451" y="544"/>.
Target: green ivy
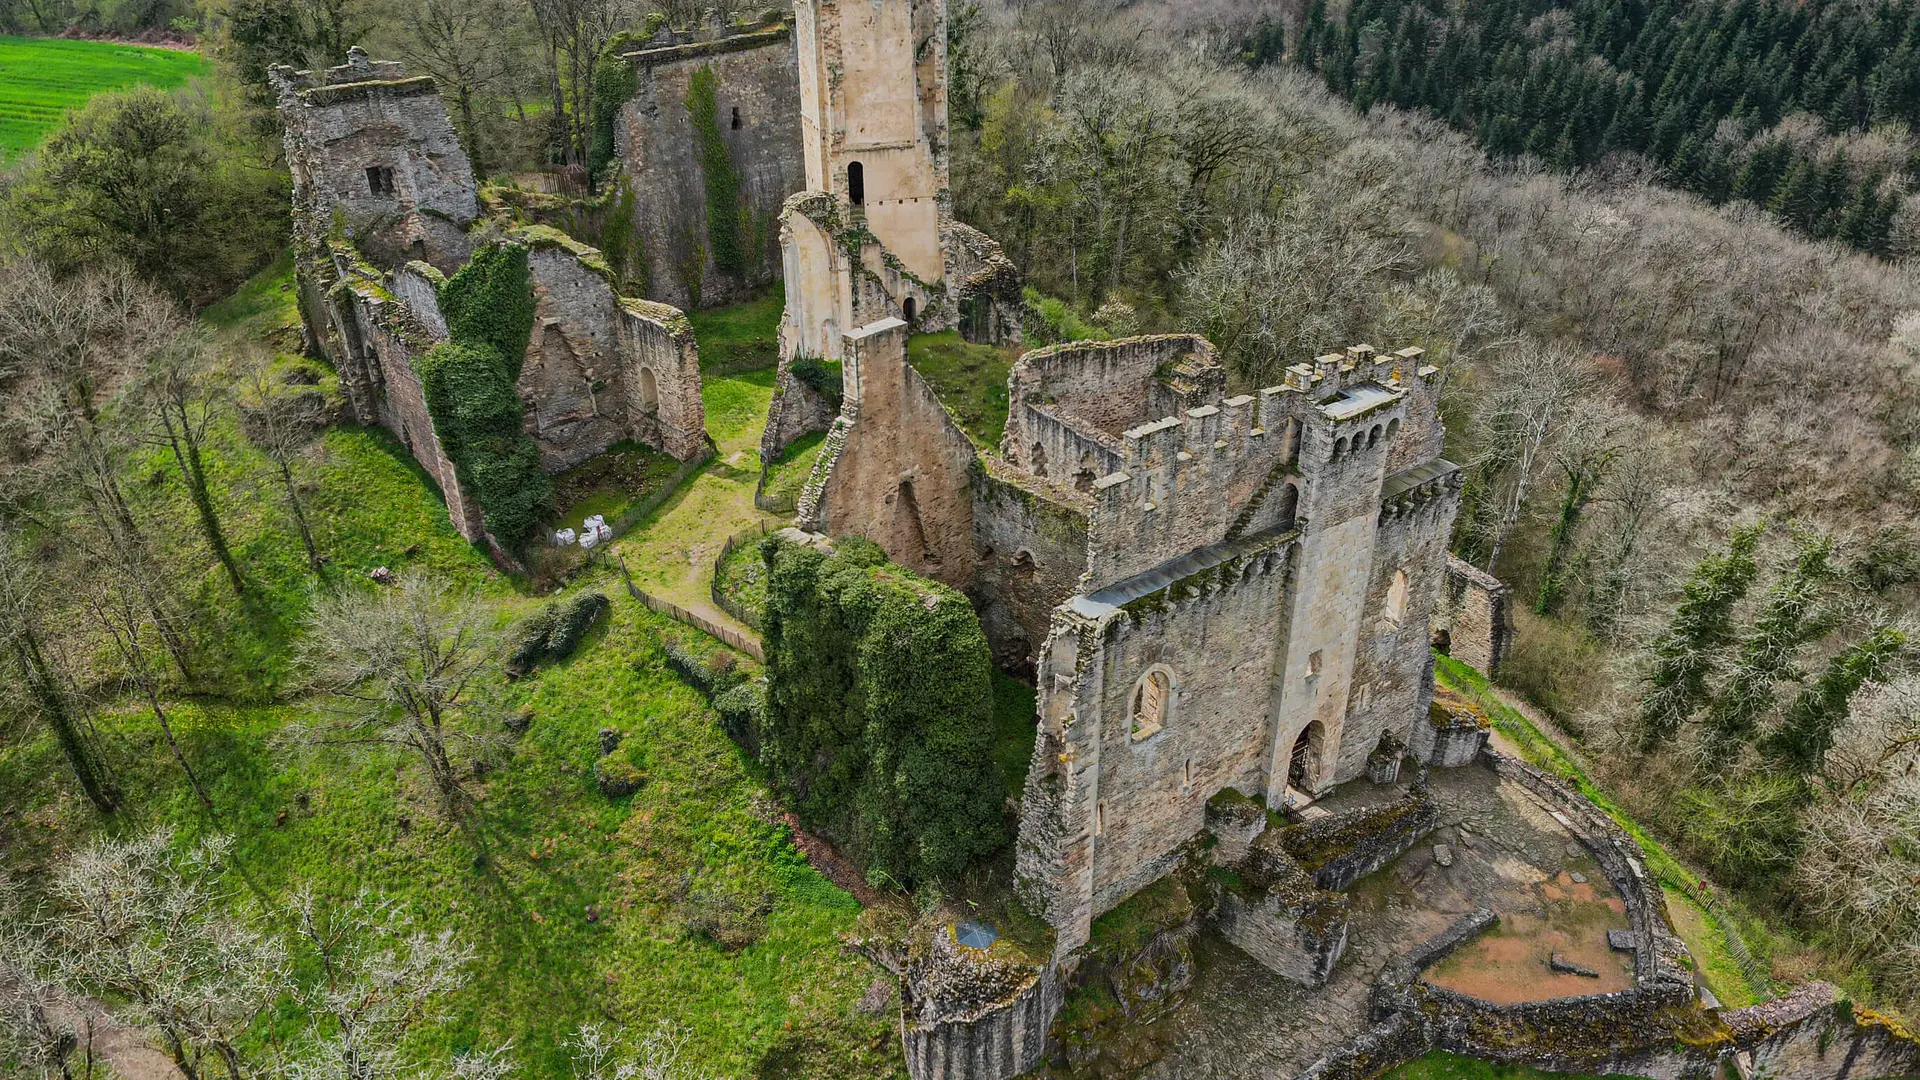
<point x="470" y="392"/>
<point x="727" y="223"/>
<point x="824" y="377"/>
<point x="878" y="727"/>
<point x="614" y="84"/>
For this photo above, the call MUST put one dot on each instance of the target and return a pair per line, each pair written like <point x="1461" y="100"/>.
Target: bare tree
<point x="1534" y="391"/>
<point x="114" y="610"/>
<point x="77" y="343"/>
<point x="38" y="1030"/>
<point x="180" y="396"/>
<point x="574" y="32"/>
<point x="154" y="928"/>
<point x="23" y="636"/>
<point x="399" y="666"/>
<point x="598" y="1055"/>
<point x="280" y="425"/>
<point x="379" y="977"/>
<point x="464" y="46"/>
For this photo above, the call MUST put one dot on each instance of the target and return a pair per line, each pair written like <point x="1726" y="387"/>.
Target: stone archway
<point x="1303" y="765"/>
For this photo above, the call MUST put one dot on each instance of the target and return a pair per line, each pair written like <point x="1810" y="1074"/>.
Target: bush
<point x="617" y="777"/>
<point x="555" y="632"/>
<point x="743" y="714"/>
<point x="878" y="728"/>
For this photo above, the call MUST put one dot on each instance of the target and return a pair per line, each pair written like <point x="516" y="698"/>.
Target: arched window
<point x="1373" y="436"/>
<point x="1083" y="480"/>
<point x="856" y="184"/>
<point x="1397" y="598"/>
<point x="736" y="118"/>
<point x="909" y="307"/>
<point x="1393" y="428"/>
<point x="649" y="392"/>
<point x="1339" y="448"/>
<point x="1152" y="701"/>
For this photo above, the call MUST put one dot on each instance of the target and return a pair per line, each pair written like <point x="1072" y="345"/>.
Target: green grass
<point x="970" y="379"/>
<point x="787" y="477"/>
<point x="742" y="579"/>
<point x="611" y="484"/>
<point x="1014" y="729"/>
<point x="1441" y="1065"/>
<point x="743" y="337"/>
<point x="41" y="78"/>
<point x="545" y="846"/>
<point x="736" y="405"/>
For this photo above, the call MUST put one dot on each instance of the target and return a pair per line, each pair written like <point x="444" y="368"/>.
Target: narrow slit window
<point x="857" y="184"/>
<point x="736" y="118"/>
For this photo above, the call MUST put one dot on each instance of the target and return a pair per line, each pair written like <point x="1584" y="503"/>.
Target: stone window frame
<point x="1137" y="730"/>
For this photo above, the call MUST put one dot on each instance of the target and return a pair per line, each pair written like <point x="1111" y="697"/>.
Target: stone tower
<point x="872" y="236"/>
<point x="373" y="154"/>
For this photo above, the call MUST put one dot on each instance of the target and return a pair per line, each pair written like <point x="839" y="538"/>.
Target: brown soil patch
<point x="1508" y="964"/>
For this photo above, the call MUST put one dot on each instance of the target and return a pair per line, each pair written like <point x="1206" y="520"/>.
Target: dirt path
<point x="672" y="555"/>
<point x="127" y="1052"/>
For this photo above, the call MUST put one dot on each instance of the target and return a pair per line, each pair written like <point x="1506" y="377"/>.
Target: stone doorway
<point x="1303" y="768"/>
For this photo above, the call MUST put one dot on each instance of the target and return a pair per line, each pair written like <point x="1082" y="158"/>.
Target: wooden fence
<point x="746" y="643"/>
<point x="733" y="544"/>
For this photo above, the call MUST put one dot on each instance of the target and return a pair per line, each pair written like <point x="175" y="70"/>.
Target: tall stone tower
<point x="871" y="237"/>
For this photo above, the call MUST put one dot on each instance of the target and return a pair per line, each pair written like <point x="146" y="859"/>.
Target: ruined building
<point x="384" y="206"/>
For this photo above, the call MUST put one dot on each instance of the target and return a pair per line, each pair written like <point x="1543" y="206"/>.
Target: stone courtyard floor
<point x="1240" y="1021"/>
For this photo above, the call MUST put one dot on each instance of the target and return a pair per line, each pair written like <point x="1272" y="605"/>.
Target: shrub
<point x="743" y="714"/>
<point x="617" y="777"/>
<point x="555" y="632"/>
<point x="531" y="641"/>
<point x="878" y="726"/>
<point x="823" y="377"/>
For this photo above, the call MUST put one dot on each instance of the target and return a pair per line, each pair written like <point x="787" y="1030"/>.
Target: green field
<point x="41" y="78"/>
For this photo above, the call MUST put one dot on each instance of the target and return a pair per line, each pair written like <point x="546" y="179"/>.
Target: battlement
<point x="360" y="72"/>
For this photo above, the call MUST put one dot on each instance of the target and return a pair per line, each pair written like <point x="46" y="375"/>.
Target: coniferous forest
<point x="1804" y="108"/>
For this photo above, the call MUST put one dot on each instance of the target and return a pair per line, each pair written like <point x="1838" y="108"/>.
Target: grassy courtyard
<point x="41" y="78"/>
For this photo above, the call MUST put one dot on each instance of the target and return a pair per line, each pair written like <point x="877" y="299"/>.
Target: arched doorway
<point x="910" y="307"/>
<point x="1303" y="768"/>
<point x="649" y="392"/>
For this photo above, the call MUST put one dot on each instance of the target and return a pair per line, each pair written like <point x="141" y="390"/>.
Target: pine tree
<point x="1684" y="654"/>
<point x="1789" y="619"/>
<point x="1800" y="744"/>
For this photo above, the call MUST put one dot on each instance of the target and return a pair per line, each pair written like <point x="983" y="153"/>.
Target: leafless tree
<point x="23" y="635"/>
<point x="115" y="611"/>
<point x="467" y="47"/>
<point x="379" y="977"/>
<point x="179" y="396"/>
<point x="154" y="928"/>
<point x="1532" y="394"/>
<point x="282" y="428"/>
<point x="77" y="343"/>
<point x="598" y="1054"/>
<point x="573" y="33"/>
<point x="38" y="1029"/>
<point x="398" y="666"/>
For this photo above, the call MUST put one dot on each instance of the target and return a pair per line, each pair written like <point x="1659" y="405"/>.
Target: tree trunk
<point x="96" y="779"/>
<point x="300" y="518"/>
<point x="186" y="452"/>
<point x="1580" y="484"/>
<point x="123" y="532"/>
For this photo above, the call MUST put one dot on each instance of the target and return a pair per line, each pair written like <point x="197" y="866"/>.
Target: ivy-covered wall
<point x="469" y="385"/>
<point x="879" y="727"/>
<point x="728" y="221"/>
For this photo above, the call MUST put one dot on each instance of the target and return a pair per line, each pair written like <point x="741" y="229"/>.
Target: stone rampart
<point x="974" y="1014"/>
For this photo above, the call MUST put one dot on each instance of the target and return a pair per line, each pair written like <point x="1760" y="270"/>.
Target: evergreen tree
<point x="1800" y="744"/>
<point x="1684" y="655"/>
<point x="1789" y="619"/>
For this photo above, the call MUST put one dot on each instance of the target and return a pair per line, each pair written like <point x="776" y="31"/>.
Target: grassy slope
<point x="787" y="477"/>
<point x="552" y="844"/>
<point x="1441" y="1065"/>
<point x="41" y="78"/>
<point x="1705" y="939"/>
<point x="742" y="337"/>
<point x="970" y="379"/>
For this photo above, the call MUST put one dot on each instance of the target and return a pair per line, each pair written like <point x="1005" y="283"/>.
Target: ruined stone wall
<point x="659" y="150"/>
<point x="658" y="352"/>
<point x="1476" y="612"/>
<point x="1392" y="688"/>
<point x="1049" y="447"/>
<point x="1109" y="385"/>
<point x="374" y="149"/>
<point x="797" y="410"/>
<point x="1030" y="539"/>
<point x="1277" y="916"/>
<point x="970" y="1014"/>
<point x="1814" y="1033"/>
<point x="895" y="470"/>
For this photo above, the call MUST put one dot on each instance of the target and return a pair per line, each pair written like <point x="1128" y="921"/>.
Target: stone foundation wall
<point x="1275" y="914"/>
<point x="1814" y="1033"/>
<point x="798" y="410"/>
<point x="974" y="1014"/>
<point x="659" y="150"/>
<point x="1341" y="850"/>
<point x="1476" y="612"/>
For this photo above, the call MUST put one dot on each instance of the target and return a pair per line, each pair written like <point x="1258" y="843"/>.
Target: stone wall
<point x="895" y="469"/>
<point x="1030" y="543"/>
<point x="659" y="150"/>
<point x="1476" y="614"/>
<point x="1814" y="1033"/>
<point x="374" y="151"/>
<point x="1453" y="733"/>
<point x="1113" y="385"/>
<point x="1275" y="914"/>
<point x="798" y="410"/>
<point x="1341" y="849"/>
<point x="974" y="1014"/>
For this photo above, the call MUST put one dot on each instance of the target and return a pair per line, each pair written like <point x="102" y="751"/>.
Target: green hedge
<point x="878" y="728"/>
<point x="469" y="385"/>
